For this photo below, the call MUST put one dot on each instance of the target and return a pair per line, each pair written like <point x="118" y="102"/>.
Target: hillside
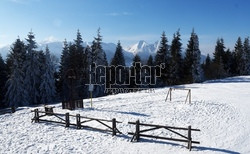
<point x="219" y="108"/>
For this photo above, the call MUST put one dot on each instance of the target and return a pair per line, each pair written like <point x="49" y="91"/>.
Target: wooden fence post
<point x="78" y="121"/>
<point x="36" y="116"/>
<point x="137" y="130"/>
<point x="189" y="138"/>
<point x="67" y="119"/>
<point x="170" y="94"/>
<point x="189" y="96"/>
<point x="114" y="127"/>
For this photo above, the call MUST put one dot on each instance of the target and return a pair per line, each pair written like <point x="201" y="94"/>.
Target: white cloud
<point x="50" y="39"/>
<point x="127" y="13"/>
<point x="128" y="40"/>
<point x="140" y="37"/>
<point x="119" y="14"/>
<point x="113" y="14"/>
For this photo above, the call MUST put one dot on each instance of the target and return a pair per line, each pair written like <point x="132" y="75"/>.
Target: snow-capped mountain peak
<point x="138" y="47"/>
<point x="143" y="49"/>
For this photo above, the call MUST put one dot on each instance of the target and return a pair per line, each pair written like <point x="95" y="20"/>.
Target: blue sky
<point x="126" y="20"/>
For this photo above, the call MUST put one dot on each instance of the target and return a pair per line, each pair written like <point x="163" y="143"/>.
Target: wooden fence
<point x="111" y="126"/>
<point x="138" y="133"/>
<point x="80" y="120"/>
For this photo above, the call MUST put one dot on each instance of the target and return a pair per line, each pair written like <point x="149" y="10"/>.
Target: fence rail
<point x="138" y="133"/>
<point x="80" y="120"/>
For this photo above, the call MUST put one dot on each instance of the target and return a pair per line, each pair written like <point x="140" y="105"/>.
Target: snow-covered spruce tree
<point x="239" y="57"/>
<point x="97" y="57"/>
<point x="163" y="57"/>
<point x="47" y="86"/>
<point x="97" y="51"/>
<point x="218" y="65"/>
<point x="176" y="60"/>
<point x="18" y="50"/>
<point x="32" y="70"/>
<point x="192" y="66"/>
<point x="3" y="79"/>
<point x="16" y="94"/>
<point x="246" y="49"/>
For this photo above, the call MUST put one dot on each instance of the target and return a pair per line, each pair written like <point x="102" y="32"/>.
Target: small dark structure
<point x="72" y="104"/>
<point x="138" y="133"/>
<point x="49" y="110"/>
<point x="71" y="101"/>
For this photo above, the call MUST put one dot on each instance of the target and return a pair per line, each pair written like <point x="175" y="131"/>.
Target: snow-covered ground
<point x="219" y="108"/>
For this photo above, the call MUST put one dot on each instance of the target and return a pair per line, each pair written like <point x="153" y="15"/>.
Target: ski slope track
<point x="219" y="108"/>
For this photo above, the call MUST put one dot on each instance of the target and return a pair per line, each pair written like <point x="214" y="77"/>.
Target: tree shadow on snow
<point x="230" y="80"/>
<point x="194" y="148"/>
<point x="8" y="110"/>
<point x="124" y="112"/>
<point x="160" y="142"/>
<point x="200" y="148"/>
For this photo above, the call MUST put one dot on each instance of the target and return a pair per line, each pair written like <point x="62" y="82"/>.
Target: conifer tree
<point x="151" y="72"/>
<point x="135" y="72"/>
<point x="47" y="86"/>
<point x="239" y="56"/>
<point x="16" y="94"/>
<point x="81" y="66"/>
<point x="218" y="65"/>
<point x="207" y="68"/>
<point x="192" y="65"/>
<point x="105" y="59"/>
<point x="150" y="61"/>
<point x="18" y="50"/>
<point x="176" y="60"/>
<point x="64" y="66"/>
<point x="97" y="51"/>
<point x="228" y="62"/>
<point x="118" y="60"/>
<point x="247" y="55"/>
<point x="98" y="57"/>
<point x="163" y="57"/>
<point x="32" y="70"/>
<point x="3" y="79"/>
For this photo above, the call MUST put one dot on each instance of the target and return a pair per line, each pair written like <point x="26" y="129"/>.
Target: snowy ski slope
<point x="219" y="108"/>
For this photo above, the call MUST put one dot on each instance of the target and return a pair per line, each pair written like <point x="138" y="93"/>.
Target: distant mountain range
<point x="142" y="48"/>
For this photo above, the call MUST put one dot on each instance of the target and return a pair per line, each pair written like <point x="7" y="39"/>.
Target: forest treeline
<point x="29" y="76"/>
